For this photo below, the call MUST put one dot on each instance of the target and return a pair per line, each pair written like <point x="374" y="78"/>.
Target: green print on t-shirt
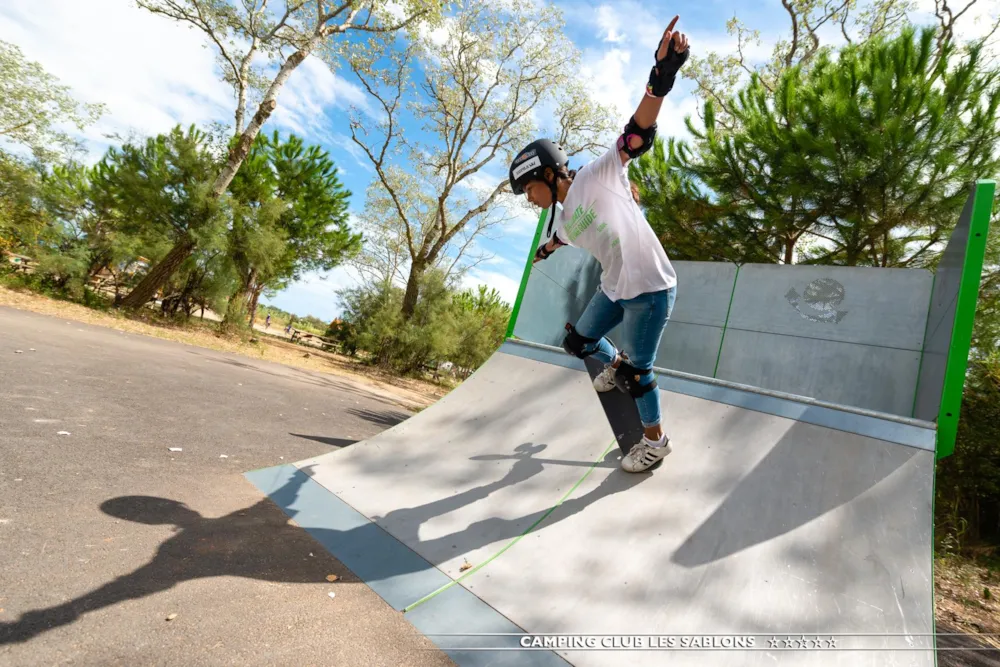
<point x="582" y="219"/>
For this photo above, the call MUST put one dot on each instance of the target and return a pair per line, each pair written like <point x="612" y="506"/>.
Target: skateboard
<point x="620" y="410"/>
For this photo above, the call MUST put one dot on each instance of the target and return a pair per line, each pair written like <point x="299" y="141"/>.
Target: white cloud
<point x="609" y="23"/>
<point x="616" y="76"/>
<point x="312" y="90"/>
<point x="482" y="182"/>
<point x="154" y="73"/>
<point x="523" y="222"/>
<point x="506" y="283"/>
<point x="151" y="72"/>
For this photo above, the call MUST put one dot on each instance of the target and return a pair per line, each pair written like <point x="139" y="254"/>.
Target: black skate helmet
<point x="531" y="162"/>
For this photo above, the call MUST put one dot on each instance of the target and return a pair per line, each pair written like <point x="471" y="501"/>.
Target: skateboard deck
<point x="619" y="408"/>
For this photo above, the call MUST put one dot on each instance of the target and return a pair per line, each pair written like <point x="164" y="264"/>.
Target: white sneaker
<point x="644" y="455"/>
<point x="606" y="380"/>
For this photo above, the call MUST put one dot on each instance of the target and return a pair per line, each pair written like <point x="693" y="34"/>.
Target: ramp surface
<point x="502" y="508"/>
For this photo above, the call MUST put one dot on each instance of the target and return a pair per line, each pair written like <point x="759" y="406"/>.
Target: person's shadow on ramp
<point x="258" y="542"/>
<point x="404" y="523"/>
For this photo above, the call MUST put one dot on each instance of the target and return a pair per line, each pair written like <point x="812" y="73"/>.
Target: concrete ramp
<point x="502" y="509"/>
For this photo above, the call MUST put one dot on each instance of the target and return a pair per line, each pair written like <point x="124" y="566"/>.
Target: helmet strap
<point x="552" y="212"/>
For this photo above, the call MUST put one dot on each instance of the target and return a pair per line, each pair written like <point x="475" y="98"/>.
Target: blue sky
<point x="153" y="73"/>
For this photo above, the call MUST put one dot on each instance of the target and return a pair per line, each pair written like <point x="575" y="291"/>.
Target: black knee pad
<point x="574" y="343"/>
<point x="627" y="379"/>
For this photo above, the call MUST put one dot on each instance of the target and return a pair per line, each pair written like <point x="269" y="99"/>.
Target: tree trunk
<point x="237" y="155"/>
<point x="253" y="304"/>
<point x="236" y="312"/>
<point x="185" y="298"/>
<point x="412" y="291"/>
<point x="264" y="110"/>
<point x="145" y="290"/>
<point x="789" y="249"/>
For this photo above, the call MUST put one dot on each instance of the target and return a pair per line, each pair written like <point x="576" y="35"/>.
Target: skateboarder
<point x="599" y="214"/>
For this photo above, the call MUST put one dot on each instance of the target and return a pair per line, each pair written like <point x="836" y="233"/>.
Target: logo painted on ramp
<point x="819" y="301"/>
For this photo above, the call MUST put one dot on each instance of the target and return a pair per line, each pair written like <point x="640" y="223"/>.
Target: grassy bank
<point x="414" y="393"/>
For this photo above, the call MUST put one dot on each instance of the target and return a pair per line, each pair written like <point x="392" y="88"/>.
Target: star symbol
<point x="791" y="643"/>
<point x="773" y="642"/>
<point x="805" y="643"/>
<point x="831" y="643"/>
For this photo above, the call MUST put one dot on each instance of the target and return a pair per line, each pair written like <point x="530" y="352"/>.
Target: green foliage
<point x="289" y="216"/>
<point x="34" y="106"/>
<point x="203" y="280"/>
<point x="863" y="158"/>
<point x="986" y="333"/>
<point x="447" y="325"/>
<point x="717" y="75"/>
<point x="968" y="482"/>
<point x="162" y="188"/>
<point x="688" y="223"/>
<point x="899" y="131"/>
<point x="480" y="324"/>
<point x="22" y="220"/>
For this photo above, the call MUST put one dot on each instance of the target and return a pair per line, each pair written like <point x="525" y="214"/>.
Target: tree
<point x="204" y="280"/>
<point x="162" y="188"/>
<point x="71" y="200"/>
<point x="895" y="131"/>
<point x="688" y="222"/>
<point x="245" y="31"/>
<point x="464" y="327"/>
<point x="750" y="170"/>
<point x="34" y="106"/>
<point x="482" y="75"/>
<point x="856" y="21"/>
<point x="862" y="158"/>
<point x="21" y="218"/>
<point x="481" y="323"/>
<point x="968" y="481"/>
<point x="290" y="216"/>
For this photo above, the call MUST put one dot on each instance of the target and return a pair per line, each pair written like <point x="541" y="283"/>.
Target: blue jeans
<point x="645" y="318"/>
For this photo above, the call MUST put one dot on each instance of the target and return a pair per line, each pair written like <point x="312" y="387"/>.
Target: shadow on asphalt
<point x="333" y="442"/>
<point x="953" y="641"/>
<point x="257" y="542"/>
<point x="386" y="418"/>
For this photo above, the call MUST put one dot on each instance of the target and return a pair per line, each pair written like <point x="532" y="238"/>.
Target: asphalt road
<point x="106" y="533"/>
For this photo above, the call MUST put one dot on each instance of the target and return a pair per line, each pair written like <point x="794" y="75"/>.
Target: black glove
<point x="663" y="74"/>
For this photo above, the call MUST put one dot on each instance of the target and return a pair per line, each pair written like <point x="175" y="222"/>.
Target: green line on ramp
<point x="514" y="541"/>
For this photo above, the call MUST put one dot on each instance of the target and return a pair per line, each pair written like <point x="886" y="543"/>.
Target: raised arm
<point x="671" y="54"/>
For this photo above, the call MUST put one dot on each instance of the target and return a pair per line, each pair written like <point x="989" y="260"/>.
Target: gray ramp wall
<point x="848" y="335"/>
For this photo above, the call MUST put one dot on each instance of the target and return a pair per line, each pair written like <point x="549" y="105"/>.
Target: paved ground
<point x="106" y="533"/>
<point x="979" y="653"/>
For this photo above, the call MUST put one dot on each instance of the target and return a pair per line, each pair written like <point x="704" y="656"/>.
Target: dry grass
<point x="960" y="596"/>
<point x="413" y="393"/>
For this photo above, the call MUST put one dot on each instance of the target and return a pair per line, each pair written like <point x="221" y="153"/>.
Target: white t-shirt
<point x="600" y="216"/>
